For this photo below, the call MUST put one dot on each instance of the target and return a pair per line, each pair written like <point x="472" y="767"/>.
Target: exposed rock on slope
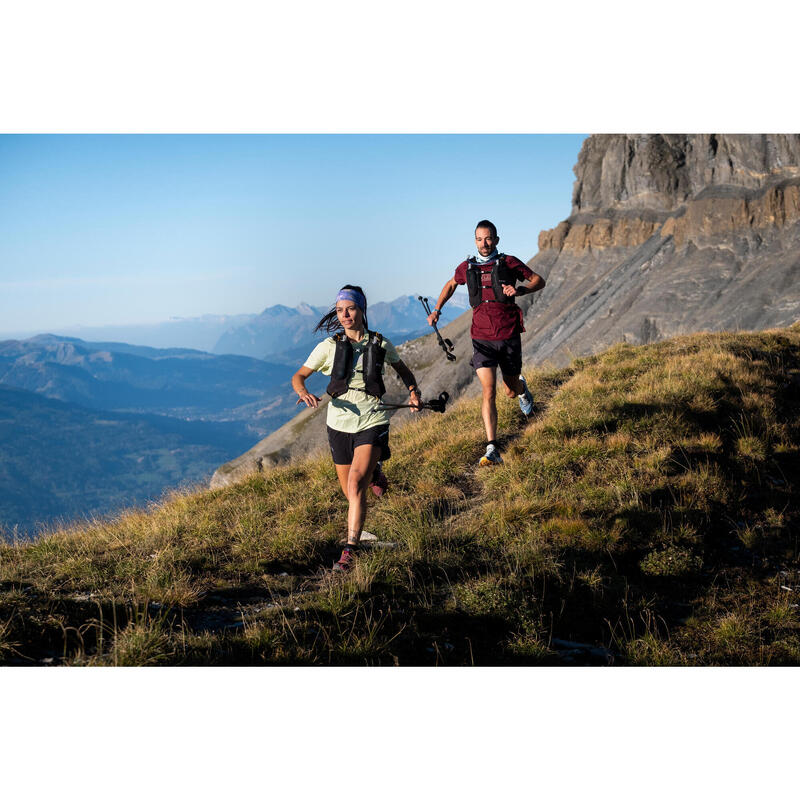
<point x="668" y="234"/>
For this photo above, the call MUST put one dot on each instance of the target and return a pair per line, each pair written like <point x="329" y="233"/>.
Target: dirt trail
<point x="232" y="609"/>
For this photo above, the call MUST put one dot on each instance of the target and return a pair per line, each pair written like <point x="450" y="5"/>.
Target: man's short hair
<point x="484" y="223"/>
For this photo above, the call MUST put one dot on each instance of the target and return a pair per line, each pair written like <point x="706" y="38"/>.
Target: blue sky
<point x="103" y="229"/>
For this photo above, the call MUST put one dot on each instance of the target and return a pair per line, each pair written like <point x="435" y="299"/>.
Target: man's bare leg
<point x="513" y="386"/>
<point x="488" y="378"/>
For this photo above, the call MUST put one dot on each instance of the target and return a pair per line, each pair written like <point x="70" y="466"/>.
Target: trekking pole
<point x="445" y="344"/>
<point x="438" y="405"/>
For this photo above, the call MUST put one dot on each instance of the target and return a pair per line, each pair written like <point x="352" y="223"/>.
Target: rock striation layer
<point x="670" y="234"/>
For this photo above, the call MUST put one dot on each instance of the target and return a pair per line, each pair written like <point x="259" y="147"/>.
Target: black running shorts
<point x="343" y="444"/>
<point x="506" y="354"/>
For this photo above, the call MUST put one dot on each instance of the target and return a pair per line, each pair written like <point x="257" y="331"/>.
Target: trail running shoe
<point x="379" y="484"/>
<point x="491" y="458"/>
<point x="346" y="561"/>
<point x="525" y="399"/>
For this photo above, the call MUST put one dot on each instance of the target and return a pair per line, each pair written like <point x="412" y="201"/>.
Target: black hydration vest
<point x="371" y="364"/>
<point x="501" y="273"/>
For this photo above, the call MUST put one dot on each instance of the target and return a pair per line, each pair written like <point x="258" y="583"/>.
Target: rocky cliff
<point x="668" y="234"/>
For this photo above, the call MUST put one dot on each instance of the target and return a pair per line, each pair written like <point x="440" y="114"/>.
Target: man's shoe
<point x="491" y="458"/>
<point x="346" y="561"/>
<point x="525" y="399"/>
<point x="379" y="484"/>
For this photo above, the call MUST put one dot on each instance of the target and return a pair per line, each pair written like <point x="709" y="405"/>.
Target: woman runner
<point x="358" y="433"/>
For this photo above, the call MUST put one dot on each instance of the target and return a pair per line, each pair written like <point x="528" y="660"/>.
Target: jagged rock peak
<point x="661" y="172"/>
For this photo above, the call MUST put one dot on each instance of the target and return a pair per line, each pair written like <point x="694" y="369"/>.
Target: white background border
<point x="412" y="67"/>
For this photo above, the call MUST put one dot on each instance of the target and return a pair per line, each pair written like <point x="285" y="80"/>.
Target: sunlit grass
<point x="646" y="508"/>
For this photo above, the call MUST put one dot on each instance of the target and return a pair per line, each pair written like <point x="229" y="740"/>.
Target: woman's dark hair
<point x="330" y="322"/>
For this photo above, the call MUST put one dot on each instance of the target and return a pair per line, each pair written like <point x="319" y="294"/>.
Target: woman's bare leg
<point x="342" y="471"/>
<point x="365" y="457"/>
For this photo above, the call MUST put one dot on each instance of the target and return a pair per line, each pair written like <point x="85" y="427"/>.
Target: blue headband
<point x="356" y="297"/>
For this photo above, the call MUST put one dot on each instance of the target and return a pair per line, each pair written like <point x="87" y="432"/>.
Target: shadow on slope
<point x="647" y="516"/>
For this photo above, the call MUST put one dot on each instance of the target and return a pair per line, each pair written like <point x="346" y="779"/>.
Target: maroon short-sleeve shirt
<point x="495" y="321"/>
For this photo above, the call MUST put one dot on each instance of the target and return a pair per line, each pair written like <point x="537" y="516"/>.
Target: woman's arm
<point x="407" y="376"/>
<point x="299" y="385"/>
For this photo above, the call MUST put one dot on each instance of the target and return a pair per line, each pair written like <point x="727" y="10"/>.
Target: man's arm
<point x="444" y="296"/>
<point x="534" y="284"/>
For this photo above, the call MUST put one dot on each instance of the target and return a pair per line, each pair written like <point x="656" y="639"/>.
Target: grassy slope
<point x="649" y="514"/>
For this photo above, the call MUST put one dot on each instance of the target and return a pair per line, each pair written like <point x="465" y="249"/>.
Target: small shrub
<point x="750" y="536"/>
<point x="671" y="562"/>
<point x="782" y="615"/>
<point x="752" y="448"/>
<point x="143" y="642"/>
<point x="732" y="632"/>
<point x="650" y="651"/>
<point x="484" y="596"/>
<point x="774" y="521"/>
<point x="529" y="646"/>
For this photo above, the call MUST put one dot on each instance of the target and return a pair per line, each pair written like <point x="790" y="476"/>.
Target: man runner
<point x="496" y="325"/>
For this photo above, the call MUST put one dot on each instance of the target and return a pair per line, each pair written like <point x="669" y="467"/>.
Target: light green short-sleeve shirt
<point x="354" y="410"/>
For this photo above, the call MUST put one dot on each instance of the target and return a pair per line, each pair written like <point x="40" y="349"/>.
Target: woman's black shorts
<point x="343" y="444"/>
<point x="506" y="354"/>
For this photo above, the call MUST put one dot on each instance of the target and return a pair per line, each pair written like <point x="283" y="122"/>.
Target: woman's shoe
<point x="346" y="561"/>
<point x="379" y="484"/>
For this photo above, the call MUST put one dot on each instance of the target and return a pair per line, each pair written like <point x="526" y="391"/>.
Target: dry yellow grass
<point x="649" y="510"/>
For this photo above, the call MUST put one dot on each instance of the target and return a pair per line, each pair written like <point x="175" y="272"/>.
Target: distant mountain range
<point x="194" y="333"/>
<point x="188" y="384"/>
<point x="286" y="335"/>
<point x="279" y="333"/>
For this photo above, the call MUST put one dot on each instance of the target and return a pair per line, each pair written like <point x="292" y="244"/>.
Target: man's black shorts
<point x="506" y="354"/>
<point x="342" y="444"/>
